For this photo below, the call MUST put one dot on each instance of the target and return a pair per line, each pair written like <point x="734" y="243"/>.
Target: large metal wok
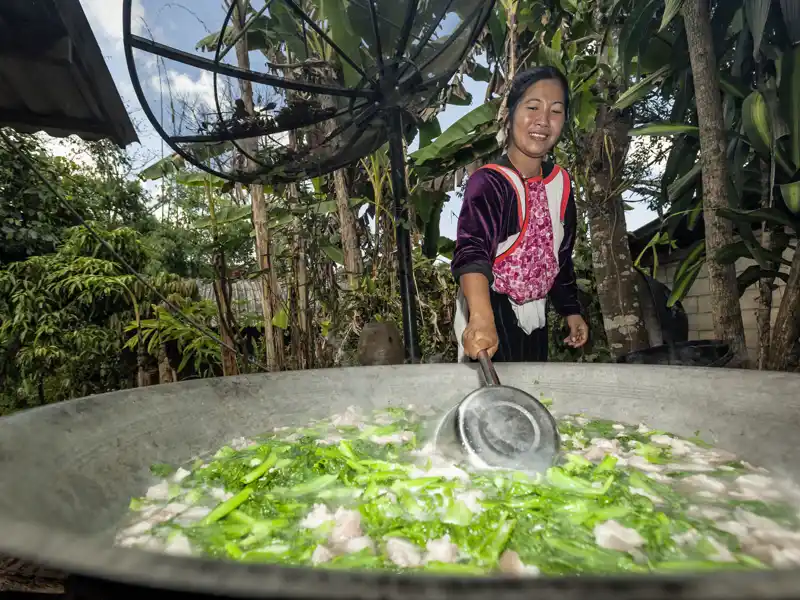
<point x="68" y="470"/>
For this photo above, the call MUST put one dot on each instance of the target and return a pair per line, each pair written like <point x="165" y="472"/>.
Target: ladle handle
<point x="487" y="368"/>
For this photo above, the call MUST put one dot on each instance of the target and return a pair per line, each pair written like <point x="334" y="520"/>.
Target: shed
<point x="697" y="302"/>
<point x="53" y="77"/>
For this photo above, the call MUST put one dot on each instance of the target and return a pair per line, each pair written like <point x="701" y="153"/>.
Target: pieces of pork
<point x="321" y="555"/>
<point x="347" y="525"/>
<point x="614" y="536"/>
<point x="345" y="535"/>
<point x="441" y="550"/>
<point x="318" y="516"/>
<point x="399" y="438"/>
<point x="511" y="564"/>
<point x="179" y="545"/>
<point x="599" y="448"/>
<point x="351" y="417"/>
<point x="403" y="553"/>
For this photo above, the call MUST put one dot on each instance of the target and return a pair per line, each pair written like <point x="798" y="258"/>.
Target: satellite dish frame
<point x="391" y="79"/>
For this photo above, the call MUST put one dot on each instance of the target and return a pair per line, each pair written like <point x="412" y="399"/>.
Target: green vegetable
<point x="261" y="469"/>
<point x="225" y="508"/>
<point x="285" y="497"/>
<point x="162" y="470"/>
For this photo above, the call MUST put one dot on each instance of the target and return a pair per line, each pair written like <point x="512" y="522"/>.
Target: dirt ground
<point x="19" y="576"/>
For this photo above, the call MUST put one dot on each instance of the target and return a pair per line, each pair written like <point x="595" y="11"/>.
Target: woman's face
<point x="539" y="118"/>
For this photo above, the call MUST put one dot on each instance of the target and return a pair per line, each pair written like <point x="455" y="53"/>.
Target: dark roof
<point x="680" y="232"/>
<point x="53" y="77"/>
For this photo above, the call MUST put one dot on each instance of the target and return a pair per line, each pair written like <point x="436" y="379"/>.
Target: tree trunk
<point x="40" y="389"/>
<point x="511" y="68"/>
<point x="351" y="248"/>
<point x="765" y="284"/>
<point x="725" y="308"/>
<point x="786" y="331"/>
<point x="264" y="255"/>
<point x="166" y="374"/>
<point x="142" y="376"/>
<point x="304" y="356"/>
<point x="259" y="205"/>
<point x="617" y="286"/>
<point x="763" y="322"/>
<point x="224" y="316"/>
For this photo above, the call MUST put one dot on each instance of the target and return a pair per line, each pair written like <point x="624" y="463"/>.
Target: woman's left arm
<point x="564" y="293"/>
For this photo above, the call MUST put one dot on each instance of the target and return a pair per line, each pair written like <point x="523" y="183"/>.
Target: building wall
<point x="697" y="303"/>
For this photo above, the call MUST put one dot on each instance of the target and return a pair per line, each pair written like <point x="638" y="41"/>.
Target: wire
<point x="177" y="312"/>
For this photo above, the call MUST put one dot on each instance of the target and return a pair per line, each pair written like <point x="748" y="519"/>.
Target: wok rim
<point x="90" y="556"/>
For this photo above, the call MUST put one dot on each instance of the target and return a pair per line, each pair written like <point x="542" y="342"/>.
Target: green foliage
<point x="60" y="327"/>
<point x="183" y="241"/>
<point x="62" y="317"/>
<point x="193" y="346"/>
<point x="377" y="299"/>
<point x="32" y="220"/>
<point x="759" y="80"/>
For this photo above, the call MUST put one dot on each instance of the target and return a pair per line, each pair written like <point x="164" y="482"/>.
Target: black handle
<point x="487" y="368"/>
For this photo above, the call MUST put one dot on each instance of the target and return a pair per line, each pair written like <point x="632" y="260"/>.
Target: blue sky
<point x="182" y="24"/>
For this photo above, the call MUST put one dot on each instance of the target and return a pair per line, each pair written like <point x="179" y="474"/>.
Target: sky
<point x="182" y="24"/>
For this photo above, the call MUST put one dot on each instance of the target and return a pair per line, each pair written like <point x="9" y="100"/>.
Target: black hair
<point x="526" y="79"/>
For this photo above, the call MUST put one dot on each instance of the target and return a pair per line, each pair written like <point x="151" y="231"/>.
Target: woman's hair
<point x="526" y="79"/>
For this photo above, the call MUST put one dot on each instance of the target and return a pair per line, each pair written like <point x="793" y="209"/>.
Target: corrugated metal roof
<point x="246" y="295"/>
<point x="53" y="77"/>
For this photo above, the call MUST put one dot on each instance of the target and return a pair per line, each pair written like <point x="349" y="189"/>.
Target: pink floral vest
<point x="526" y="264"/>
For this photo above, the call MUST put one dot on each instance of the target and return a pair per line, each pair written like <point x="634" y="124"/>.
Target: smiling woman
<point x="516" y="233"/>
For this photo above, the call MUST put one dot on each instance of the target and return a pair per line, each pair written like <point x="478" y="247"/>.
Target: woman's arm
<point x="564" y="293"/>
<point x="479" y="224"/>
<point x="476" y="291"/>
<point x="478" y="232"/>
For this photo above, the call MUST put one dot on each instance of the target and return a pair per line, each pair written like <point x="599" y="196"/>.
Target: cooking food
<point x="365" y="491"/>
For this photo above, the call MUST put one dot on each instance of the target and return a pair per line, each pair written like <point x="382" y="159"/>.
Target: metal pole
<point x="408" y="297"/>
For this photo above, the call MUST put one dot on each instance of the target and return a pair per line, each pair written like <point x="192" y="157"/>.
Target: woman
<point x="516" y="233"/>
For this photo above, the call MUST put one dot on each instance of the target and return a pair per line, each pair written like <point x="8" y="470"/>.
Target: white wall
<point x="697" y="303"/>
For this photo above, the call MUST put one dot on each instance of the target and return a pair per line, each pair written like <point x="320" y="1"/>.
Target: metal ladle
<point x="499" y="427"/>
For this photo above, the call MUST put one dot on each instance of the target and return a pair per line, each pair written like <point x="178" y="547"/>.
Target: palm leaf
<point x="465" y="126"/>
<point x="664" y="129"/>
<point x="791" y="17"/>
<point x="758" y="129"/>
<point x="791" y="197"/>
<point x="642" y="88"/>
<point x="757" y="12"/>
<point x="673" y="7"/>
<point x="789" y="95"/>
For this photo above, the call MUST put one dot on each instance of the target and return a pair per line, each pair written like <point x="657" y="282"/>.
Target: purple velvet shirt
<point x="489" y="216"/>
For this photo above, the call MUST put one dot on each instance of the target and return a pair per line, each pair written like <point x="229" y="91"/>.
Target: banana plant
<point x="759" y="58"/>
<point x="763" y="118"/>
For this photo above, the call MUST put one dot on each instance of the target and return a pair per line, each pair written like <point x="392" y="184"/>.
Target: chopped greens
<point x="363" y="492"/>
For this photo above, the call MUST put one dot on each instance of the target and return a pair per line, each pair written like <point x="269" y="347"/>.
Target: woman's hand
<point x="480" y="334"/>
<point x="578" y="331"/>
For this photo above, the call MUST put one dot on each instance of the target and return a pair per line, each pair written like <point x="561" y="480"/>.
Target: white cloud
<point x="197" y="94"/>
<point x="105" y="17"/>
<point x="71" y="148"/>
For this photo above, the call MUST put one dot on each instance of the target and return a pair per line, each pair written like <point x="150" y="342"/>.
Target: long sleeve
<point x="564" y="293"/>
<point x="480" y="223"/>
